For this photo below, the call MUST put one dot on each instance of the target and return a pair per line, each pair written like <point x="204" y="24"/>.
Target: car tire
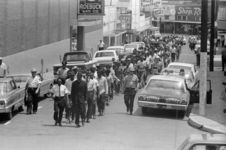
<point x="10" y="115"/>
<point x="144" y="110"/>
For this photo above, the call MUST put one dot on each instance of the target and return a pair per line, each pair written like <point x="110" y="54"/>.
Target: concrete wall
<point x="26" y="24"/>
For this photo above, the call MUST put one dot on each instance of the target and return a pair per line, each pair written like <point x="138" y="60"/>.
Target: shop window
<point x="179" y="17"/>
<point x="184" y="18"/>
<point x="166" y="17"/>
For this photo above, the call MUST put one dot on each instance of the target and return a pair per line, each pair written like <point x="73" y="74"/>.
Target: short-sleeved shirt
<point x="131" y="81"/>
<point x="34" y="82"/>
<point x="62" y="73"/>
<point x="68" y="84"/>
<point x="59" y="91"/>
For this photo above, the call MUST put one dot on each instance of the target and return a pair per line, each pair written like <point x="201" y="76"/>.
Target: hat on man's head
<point x="33" y="70"/>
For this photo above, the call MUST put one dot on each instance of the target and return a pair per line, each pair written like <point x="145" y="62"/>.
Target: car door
<point x="194" y="93"/>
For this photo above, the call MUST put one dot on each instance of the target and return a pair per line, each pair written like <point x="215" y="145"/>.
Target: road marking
<point x="8" y="122"/>
<point x="39" y="107"/>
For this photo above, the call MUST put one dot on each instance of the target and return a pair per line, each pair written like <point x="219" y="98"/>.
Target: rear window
<point x="77" y="57"/>
<point x="104" y="54"/>
<point x="165" y="84"/>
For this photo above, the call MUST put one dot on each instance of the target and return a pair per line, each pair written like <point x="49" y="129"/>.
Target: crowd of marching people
<point x="78" y="92"/>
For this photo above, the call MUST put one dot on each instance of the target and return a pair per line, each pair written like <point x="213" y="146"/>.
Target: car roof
<point x="169" y="78"/>
<point x="208" y="138"/>
<point x="115" y="47"/>
<point x="181" y="64"/>
<point x="105" y="51"/>
<point x="5" y="79"/>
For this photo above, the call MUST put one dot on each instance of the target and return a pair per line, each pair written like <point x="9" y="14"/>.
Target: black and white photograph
<point x="112" y="75"/>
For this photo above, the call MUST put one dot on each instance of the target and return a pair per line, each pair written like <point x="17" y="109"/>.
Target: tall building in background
<point x="26" y="24"/>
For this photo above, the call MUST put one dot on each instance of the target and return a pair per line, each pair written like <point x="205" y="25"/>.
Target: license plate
<point x="161" y="106"/>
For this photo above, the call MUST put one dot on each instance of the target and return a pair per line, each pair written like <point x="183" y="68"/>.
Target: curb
<point x="203" y="127"/>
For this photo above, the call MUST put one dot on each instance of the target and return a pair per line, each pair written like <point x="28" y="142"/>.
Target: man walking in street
<point x="130" y="88"/>
<point x="32" y="89"/>
<point x="60" y="96"/>
<point x="102" y="92"/>
<point x="3" y="68"/>
<point x="62" y="72"/>
<point x="78" y="96"/>
<point x="68" y="83"/>
<point x="101" y="45"/>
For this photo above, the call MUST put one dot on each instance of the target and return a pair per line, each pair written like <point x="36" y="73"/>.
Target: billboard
<point x="188" y="13"/>
<point x="91" y="7"/>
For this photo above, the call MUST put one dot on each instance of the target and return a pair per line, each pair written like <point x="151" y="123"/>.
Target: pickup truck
<point x="77" y="58"/>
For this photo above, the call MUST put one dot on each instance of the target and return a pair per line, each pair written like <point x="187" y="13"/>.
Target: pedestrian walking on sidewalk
<point x="79" y="101"/>
<point x="32" y="90"/>
<point x="130" y="88"/>
<point x="60" y="96"/>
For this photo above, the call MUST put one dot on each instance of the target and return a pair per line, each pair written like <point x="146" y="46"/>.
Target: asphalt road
<point x="158" y="130"/>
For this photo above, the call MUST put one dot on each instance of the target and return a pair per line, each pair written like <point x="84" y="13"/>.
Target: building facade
<point x="26" y="24"/>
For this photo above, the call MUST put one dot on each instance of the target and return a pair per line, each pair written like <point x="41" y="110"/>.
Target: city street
<point x="115" y="130"/>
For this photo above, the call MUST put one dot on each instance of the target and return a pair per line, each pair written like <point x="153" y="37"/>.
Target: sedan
<point x="164" y="92"/>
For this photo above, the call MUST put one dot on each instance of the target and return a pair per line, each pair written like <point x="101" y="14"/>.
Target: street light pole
<point x="203" y="62"/>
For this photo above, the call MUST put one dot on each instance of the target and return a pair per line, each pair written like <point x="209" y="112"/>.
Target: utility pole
<point x="203" y="62"/>
<point x="212" y="39"/>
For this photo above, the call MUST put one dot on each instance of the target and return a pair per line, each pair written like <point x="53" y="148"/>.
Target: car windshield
<point x="77" y="57"/>
<point x="104" y="54"/>
<point x="3" y="88"/>
<point x="165" y="84"/>
<point x="131" y="46"/>
<point x="180" y="67"/>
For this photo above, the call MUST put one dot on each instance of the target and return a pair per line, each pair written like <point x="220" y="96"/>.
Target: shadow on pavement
<point x="167" y="114"/>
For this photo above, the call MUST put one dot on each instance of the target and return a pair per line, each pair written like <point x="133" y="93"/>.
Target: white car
<point x="105" y="57"/>
<point x="141" y="44"/>
<point x="185" y="66"/>
<point x="130" y="47"/>
<point x="120" y="49"/>
<point x="204" y="142"/>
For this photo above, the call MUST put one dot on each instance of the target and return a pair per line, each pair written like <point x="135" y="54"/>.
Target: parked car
<point x="164" y="92"/>
<point x="120" y="49"/>
<point x="204" y="142"/>
<point x="185" y="66"/>
<point x="141" y="44"/>
<point x="130" y="47"/>
<point x="12" y="97"/>
<point x="188" y="76"/>
<point x="105" y="57"/>
<point x="12" y="92"/>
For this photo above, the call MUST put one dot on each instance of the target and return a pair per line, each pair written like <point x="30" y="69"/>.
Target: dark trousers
<point x="80" y="110"/>
<point x="198" y="59"/>
<point x="59" y="105"/>
<point x="90" y="101"/>
<point x="223" y="60"/>
<point x="33" y="103"/>
<point x="173" y="57"/>
<point x="101" y="103"/>
<point x="129" y="96"/>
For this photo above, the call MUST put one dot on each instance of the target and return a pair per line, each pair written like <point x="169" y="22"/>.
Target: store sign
<point x="91" y="7"/>
<point x="125" y="21"/>
<point x="192" y="13"/>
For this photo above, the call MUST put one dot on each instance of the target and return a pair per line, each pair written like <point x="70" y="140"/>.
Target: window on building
<point x="179" y="17"/>
<point x="166" y="17"/>
<point x="184" y="18"/>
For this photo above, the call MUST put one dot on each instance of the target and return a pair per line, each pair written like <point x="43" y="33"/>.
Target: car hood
<point x="162" y="93"/>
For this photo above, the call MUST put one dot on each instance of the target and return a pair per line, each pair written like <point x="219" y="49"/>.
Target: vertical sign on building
<point x="91" y="7"/>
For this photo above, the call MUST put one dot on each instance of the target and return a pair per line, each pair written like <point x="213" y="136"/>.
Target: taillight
<point x="2" y="104"/>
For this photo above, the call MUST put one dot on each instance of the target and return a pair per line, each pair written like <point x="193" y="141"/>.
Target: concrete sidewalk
<point x="214" y="120"/>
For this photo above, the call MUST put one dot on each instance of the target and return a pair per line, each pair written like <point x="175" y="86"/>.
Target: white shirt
<point x="59" y="91"/>
<point x="103" y="85"/>
<point x="3" y="68"/>
<point x="34" y="82"/>
<point x="68" y="84"/>
<point x="92" y="84"/>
